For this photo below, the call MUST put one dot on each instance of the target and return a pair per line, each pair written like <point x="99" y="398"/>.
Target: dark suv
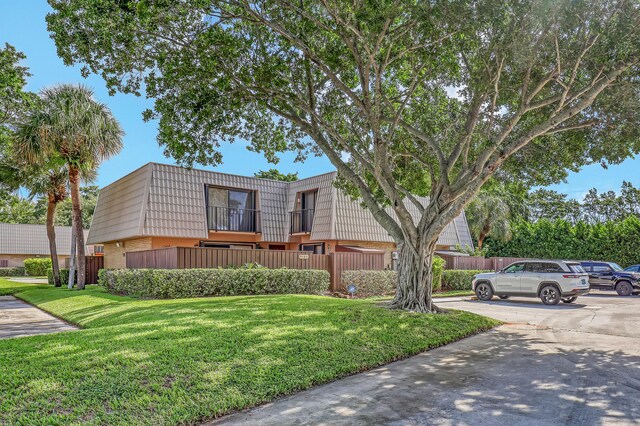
<point x="610" y="276"/>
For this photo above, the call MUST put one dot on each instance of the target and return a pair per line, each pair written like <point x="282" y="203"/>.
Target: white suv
<point x="550" y="280"/>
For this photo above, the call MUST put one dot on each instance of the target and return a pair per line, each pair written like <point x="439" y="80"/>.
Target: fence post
<point x="332" y="272"/>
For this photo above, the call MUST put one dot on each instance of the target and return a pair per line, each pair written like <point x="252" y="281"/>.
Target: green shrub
<point x="457" y="279"/>
<point x="370" y="283"/>
<point x="15" y="271"/>
<point x="178" y="283"/>
<point x="64" y="276"/>
<point x="37" y="267"/>
<point x="438" y="268"/>
<point x="381" y="283"/>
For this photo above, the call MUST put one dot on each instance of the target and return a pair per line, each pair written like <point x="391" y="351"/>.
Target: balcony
<point x="301" y="221"/>
<point x="233" y="220"/>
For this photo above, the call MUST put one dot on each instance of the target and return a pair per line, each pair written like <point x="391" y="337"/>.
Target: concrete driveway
<point x="573" y="364"/>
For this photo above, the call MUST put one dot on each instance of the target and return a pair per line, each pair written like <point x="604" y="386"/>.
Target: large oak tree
<point x="404" y="97"/>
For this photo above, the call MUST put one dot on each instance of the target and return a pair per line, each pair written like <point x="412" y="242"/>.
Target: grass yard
<point x="453" y="293"/>
<point x="188" y="360"/>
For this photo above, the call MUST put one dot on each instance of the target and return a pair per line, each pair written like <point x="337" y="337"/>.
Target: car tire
<point x="484" y="292"/>
<point x="503" y="297"/>
<point x="569" y="299"/>
<point x="550" y="295"/>
<point x="624" y="288"/>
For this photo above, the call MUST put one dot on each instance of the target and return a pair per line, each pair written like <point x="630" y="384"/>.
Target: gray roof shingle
<point x="169" y="201"/>
<point x="32" y="239"/>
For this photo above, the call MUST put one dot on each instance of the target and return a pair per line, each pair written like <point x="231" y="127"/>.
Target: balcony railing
<point x="235" y="220"/>
<point x="301" y="221"/>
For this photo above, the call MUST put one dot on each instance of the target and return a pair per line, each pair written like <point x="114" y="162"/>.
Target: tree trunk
<point x="481" y="238"/>
<point x="72" y="259"/>
<point x="51" y="235"/>
<point x="415" y="278"/>
<point x="74" y="183"/>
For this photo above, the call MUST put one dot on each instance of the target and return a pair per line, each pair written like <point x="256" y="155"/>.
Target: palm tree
<point x="48" y="180"/>
<point x="488" y="216"/>
<point x="82" y="132"/>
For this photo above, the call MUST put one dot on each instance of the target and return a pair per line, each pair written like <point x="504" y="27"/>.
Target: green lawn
<point x="453" y="293"/>
<point x="187" y="360"/>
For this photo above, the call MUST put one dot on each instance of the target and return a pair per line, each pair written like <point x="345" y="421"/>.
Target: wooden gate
<point x="92" y="266"/>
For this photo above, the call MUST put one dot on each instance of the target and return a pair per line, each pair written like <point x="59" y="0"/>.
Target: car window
<point x="633" y="268"/>
<point x="616" y="267"/>
<point x="551" y="268"/>
<point x="533" y="267"/>
<point x="587" y="268"/>
<point x="576" y="268"/>
<point x="516" y="267"/>
<point x="601" y="268"/>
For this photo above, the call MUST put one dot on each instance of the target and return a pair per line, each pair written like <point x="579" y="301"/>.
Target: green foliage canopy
<point x="370" y="82"/>
<point x="276" y="174"/>
<point x="16" y="209"/>
<point x="489" y="216"/>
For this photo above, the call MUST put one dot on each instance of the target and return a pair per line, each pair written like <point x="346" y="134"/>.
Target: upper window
<point x="601" y="268"/>
<point x="231" y="210"/>
<point x="302" y="215"/>
<point x="633" y="269"/>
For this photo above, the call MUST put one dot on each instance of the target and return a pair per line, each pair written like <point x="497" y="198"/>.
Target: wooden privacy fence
<point x="340" y="262"/>
<point x="475" y="262"/>
<point x="92" y="266"/>
<point x="200" y="257"/>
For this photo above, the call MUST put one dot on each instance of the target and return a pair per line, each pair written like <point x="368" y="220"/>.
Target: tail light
<point x="572" y="276"/>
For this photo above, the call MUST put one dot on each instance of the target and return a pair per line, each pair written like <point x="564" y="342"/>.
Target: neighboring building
<point x="19" y="242"/>
<point x="160" y="206"/>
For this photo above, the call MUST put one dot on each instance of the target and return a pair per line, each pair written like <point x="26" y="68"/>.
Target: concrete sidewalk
<point x="18" y="319"/>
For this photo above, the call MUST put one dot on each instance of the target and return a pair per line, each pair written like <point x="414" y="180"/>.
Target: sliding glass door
<point x="231" y="210"/>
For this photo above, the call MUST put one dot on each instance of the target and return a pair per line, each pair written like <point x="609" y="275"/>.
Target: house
<point x="159" y="206"/>
<point x="20" y="241"/>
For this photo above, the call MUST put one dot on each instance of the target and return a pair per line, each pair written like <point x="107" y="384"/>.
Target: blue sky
<point x="22" y="24"/>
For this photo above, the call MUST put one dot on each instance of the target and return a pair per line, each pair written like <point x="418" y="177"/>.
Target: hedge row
<point x="177" y="283"/>
<point x="381" y="283"/>
<point x="456" y="279"/>
<point x="15" y="271"/>
<point x="37" y="266"/>
<point x="611" y="241"/>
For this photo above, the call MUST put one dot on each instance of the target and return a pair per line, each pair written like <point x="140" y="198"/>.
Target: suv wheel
<point x="550" y="295"/>
<point x="569" y="299"/>
<point x="624" y="288"/>
<point x="484" y="292"/>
